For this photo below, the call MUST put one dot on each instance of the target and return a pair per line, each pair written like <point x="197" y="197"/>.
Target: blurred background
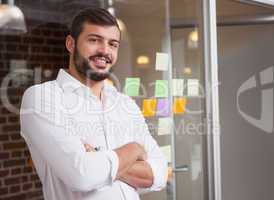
<point x="163" y="52"/>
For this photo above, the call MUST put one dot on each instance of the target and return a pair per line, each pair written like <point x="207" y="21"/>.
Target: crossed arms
<point x="133" y="169"/>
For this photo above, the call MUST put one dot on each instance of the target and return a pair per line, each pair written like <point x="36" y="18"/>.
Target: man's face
<point x="96" y="51"/>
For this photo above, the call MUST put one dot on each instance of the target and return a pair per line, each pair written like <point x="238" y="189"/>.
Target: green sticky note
<point x="132" y="87"/>
<point x="161" y="88"/>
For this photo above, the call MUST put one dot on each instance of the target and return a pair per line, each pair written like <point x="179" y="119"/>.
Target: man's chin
<point x="102" y="71"/>
<point x="93" y="73"/>
<point x="97" y="76"/>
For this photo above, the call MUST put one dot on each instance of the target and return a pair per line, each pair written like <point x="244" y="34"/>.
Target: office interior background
<point x="205" y="88"/>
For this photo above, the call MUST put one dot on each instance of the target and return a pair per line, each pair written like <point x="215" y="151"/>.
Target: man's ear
<point x="70" y="43"/>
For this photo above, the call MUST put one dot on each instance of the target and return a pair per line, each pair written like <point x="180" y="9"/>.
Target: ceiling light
<point x="142" y="60"/>
<point x="193" y="39"/>
<point x="12" y="19"/>
<point x="193" y="36"/>
<point x="187" y="70"/>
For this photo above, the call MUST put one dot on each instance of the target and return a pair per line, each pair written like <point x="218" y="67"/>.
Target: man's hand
<point x="143" y="155"/>
<point x="139" y="175"/>
<point x="128" y="154"/>
<point x="133" y="169"/>
<point x="88" y="147"/>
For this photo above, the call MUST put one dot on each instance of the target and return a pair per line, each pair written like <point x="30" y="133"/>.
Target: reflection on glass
<point x="12" y="19"/>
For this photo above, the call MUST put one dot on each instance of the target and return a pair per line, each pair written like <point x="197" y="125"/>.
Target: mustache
<point x="105" y="56"/>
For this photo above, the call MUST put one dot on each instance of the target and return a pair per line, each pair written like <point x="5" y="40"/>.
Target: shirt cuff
<point x="114" y="162"/>
<point x="159" y="175"/>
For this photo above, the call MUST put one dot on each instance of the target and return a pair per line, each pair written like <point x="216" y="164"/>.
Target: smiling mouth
<point x="100" y="61"/>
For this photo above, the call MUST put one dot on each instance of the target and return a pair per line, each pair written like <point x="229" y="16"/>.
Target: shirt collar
<point x="70" y="84"/>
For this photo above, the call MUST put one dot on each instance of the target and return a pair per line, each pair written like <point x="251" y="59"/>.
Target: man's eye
<point x="92" y="40"/>
<point x="114" y="45"/>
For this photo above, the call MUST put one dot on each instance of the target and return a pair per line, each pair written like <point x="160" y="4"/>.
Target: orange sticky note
<point x="149" y="107"/>
<point x="179" y="105"/>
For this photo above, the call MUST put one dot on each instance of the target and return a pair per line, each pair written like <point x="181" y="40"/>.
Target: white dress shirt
<point x="58" y="117"/>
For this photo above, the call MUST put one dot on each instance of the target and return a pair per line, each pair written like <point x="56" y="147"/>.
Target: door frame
<point x="213" y="138"/>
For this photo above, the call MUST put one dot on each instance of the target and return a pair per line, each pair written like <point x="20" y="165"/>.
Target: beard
<point x="83" y="67"/>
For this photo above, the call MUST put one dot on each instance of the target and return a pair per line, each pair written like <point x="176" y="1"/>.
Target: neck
<point x="95" y="86"/>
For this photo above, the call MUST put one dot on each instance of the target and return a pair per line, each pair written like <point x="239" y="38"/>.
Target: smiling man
<point x="87" y="140"/>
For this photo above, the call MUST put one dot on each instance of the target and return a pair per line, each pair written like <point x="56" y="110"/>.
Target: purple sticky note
<point x="162" y="107"/>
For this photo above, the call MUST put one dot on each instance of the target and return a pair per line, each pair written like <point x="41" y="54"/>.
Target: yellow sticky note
<point x="179" y="105"/>
<point x="149" y="107"/>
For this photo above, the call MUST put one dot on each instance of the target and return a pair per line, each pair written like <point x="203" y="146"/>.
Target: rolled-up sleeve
<point x="114" y="160"/>
<point x="63" y="152"/>
<point x="155" y="157"/>
<point x="159" y="170"/>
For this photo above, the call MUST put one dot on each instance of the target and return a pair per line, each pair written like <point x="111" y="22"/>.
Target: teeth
<point x="104" y="59"/>
<point x="100" y="60"/>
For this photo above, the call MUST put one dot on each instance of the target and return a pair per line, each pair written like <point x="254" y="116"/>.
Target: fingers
<point x="142" y="157"/>
<point x="88" y="148"/>
<point x="143" y="154"/>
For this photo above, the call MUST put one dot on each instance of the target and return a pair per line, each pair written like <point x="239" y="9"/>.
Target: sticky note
<point x="192" y="87"/>
<point x="179" y="105"/>
<point x="161" y="88"/>
<point x="162" y="107"/>
<point x="166" y="150"/>
<point x="149" y="107"/>
<point x="177" y="87"/>
<point x="161" y="61"/>
<point x="132" y="86"/>
<point x="164" y="126"/>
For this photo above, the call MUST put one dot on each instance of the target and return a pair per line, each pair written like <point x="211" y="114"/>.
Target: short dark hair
<point x="96" y="16"/>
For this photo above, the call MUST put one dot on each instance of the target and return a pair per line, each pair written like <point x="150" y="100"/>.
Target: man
<point x="87" y="140"/>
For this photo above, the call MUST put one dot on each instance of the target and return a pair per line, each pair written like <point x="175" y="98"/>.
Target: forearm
<point x="139" y="175"/>
<point x="128" y="155"/>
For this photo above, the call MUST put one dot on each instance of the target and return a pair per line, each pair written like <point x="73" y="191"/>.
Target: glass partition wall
<point x="161" y="66"/>
<point x="245" y="46"/>
<point x="164" y="54"/>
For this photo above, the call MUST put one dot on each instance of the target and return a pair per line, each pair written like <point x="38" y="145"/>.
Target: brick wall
<point x="43" y="49"/>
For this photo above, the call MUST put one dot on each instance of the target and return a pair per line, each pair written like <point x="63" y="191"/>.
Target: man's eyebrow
<point x="94" y="35"/>
<point x="114" y="40"/>
<point x="99" y="36"/>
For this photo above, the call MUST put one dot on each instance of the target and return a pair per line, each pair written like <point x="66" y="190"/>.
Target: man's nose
<point x="104" y="48"/>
